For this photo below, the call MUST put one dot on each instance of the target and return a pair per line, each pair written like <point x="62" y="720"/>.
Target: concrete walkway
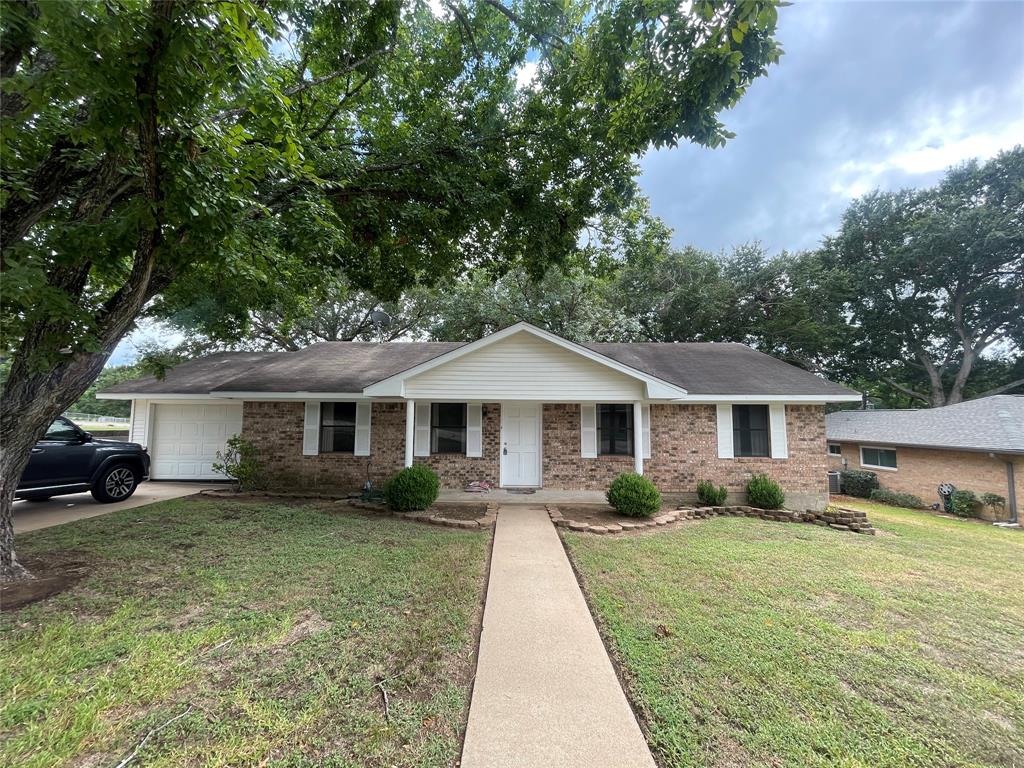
<point x="545" y="692"/>
<point x="57" y="510"/>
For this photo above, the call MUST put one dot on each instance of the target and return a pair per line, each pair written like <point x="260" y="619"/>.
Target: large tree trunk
<point x="30" y="402"/>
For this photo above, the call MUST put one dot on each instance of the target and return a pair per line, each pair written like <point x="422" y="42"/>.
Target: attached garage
<point x="185" y="438"/>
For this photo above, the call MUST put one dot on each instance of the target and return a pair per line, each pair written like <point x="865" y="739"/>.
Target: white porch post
<point x="638" y="438"/>
<point x="410" y="430"/>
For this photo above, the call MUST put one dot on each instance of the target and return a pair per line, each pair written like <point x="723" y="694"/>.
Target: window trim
<point x="465" y="430"/>
<point x="830" y="452"/>
<point x="767" y="430"/>
<point x="630" y="430"/>
<point x="879" y="466"/>
<point x="321" y="443"/>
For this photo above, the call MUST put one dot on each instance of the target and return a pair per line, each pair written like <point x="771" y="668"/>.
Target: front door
<point x="520" y="444"/>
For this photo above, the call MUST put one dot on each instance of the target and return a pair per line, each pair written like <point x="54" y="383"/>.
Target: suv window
<point x="61" y="429"/>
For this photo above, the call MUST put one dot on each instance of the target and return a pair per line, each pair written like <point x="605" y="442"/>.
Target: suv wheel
<point x="115" y="484"/>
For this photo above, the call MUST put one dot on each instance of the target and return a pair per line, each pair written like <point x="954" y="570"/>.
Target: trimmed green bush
<point x="633" y="495"/>
<point x="858" y="482"/>
<point x="965" y="503"/>
<point x="765" y="493"/>
<point x="885" y="496"/>
<point x="709" y="495"/>
<point x="415" y="487"/>
<point x="994" y="501"/>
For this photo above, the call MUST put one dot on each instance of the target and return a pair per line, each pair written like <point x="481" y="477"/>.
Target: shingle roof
<point x="336" y="366"/>
<point x="720" y="369"/>
<point x="349" y="367"/>
<point x="990" y="424"/>
<point x="195" y="377"/>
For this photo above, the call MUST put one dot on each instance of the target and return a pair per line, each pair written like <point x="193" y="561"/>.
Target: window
<point x="447" y="427"/>
<point x="61" y="429"/>
<point x="834" y="449"/>
<point x="878" y="458"/>
<point x="337" y="427"/>
<point x="615" y="430"/>
<point x="750" y="430"/>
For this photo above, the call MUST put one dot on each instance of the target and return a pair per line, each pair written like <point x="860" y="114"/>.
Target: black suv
<point x="70" y="460"/>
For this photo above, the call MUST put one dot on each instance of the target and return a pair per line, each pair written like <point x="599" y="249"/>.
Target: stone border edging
<point x="488" y="520"/>
<point x="839" y="518"/>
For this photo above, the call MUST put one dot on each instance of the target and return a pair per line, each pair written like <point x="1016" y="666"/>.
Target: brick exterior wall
<point x="683" y="439"/>
<point x="684" y="450"/>
<point x="920" y="470"/>
<point x="275" y="428"/>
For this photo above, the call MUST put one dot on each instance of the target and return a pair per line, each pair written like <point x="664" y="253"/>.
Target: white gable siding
<point x="523" y="367"/>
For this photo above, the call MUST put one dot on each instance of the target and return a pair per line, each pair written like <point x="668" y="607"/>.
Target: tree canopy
<point x="154" y="151"/>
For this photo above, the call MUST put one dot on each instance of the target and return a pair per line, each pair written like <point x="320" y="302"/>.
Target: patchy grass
<point x="273" y="625"/>
<point x="753" y="643"/>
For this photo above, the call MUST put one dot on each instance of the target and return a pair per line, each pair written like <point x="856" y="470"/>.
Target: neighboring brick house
<point x="977" y="446"/>
<point x="519" y="408"/>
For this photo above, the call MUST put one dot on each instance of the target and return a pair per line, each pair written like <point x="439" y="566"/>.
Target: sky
<point x="868" y="95"/>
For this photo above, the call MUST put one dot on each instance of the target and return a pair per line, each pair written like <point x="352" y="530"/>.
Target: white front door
<point x="520" y="444"/>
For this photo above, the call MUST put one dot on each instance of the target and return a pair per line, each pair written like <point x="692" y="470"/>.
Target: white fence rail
<point x="96" y="418"/>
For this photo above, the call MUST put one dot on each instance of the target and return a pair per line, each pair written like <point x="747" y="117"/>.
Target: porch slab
<point x="505" y="497"/>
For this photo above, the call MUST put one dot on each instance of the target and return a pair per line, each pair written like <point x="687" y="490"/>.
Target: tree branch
<point x="999" y="390"/>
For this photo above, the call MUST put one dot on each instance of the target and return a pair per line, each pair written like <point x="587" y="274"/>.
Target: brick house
<point x="977" y="445"/>
<point x="518" y="408"/>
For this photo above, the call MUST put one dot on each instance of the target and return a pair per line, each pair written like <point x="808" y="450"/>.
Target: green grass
<point x="274" y="622"/>
<point x="747" y="642"/>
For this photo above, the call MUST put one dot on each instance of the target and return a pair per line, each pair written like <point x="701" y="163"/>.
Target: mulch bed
<point x="595" y="514"/>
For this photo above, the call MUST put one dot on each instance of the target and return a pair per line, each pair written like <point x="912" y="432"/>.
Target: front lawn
<point x="277" y="628"/>
<point x="747" y="642"/>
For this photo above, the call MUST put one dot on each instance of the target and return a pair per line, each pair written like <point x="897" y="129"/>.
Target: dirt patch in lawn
<point x="51" y="578"/>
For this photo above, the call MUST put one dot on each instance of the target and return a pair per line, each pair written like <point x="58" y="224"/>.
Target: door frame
<point x="539" y="406"/>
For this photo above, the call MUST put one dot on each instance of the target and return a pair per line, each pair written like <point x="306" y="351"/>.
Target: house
<point x="521" y="407"/>
<point x="977" y="445"/>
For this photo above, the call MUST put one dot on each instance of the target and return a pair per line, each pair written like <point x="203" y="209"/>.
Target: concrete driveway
<point x="33" y="515"/>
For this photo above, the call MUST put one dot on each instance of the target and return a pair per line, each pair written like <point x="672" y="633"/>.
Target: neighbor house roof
<point x="993" y="424"/>
<point x="698" y="369"/>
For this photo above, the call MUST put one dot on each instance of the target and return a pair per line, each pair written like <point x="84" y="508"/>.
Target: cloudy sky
<point x="868" y="94"/>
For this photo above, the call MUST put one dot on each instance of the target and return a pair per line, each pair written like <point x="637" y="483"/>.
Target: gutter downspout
<point x="1011" y="496"/>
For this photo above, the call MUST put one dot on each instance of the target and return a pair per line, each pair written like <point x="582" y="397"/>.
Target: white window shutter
<point x="421" y="445"/>
<point x="588" y="431"/>
<point x="725" y="449"/>
<point x="647" y="432"/>
<point x="311" y="429"/>
<point x="777" y="423"/>
<point x="474" y="429"/>
<point x="363" y="411"/>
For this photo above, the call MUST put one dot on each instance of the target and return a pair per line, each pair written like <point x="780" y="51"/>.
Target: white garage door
<point x="186" y="439"/>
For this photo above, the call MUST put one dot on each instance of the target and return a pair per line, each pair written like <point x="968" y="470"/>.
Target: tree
<point x="934" y="278"/>
<point x="109" y="376"/>
<point x="155" y="149"/>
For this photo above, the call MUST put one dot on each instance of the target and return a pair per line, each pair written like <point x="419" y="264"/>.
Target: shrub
<point x="885" y="496"/>
<point x="765" y="493"/>
<point x="240" y="461"/>
<point x="415" y="487"/>
<point x="634" y="495"/>
<point x="709" y="495"/>
<point x="965" y="503"/>
<point x="858" y="482"/>
<point x="994" y="501"/>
